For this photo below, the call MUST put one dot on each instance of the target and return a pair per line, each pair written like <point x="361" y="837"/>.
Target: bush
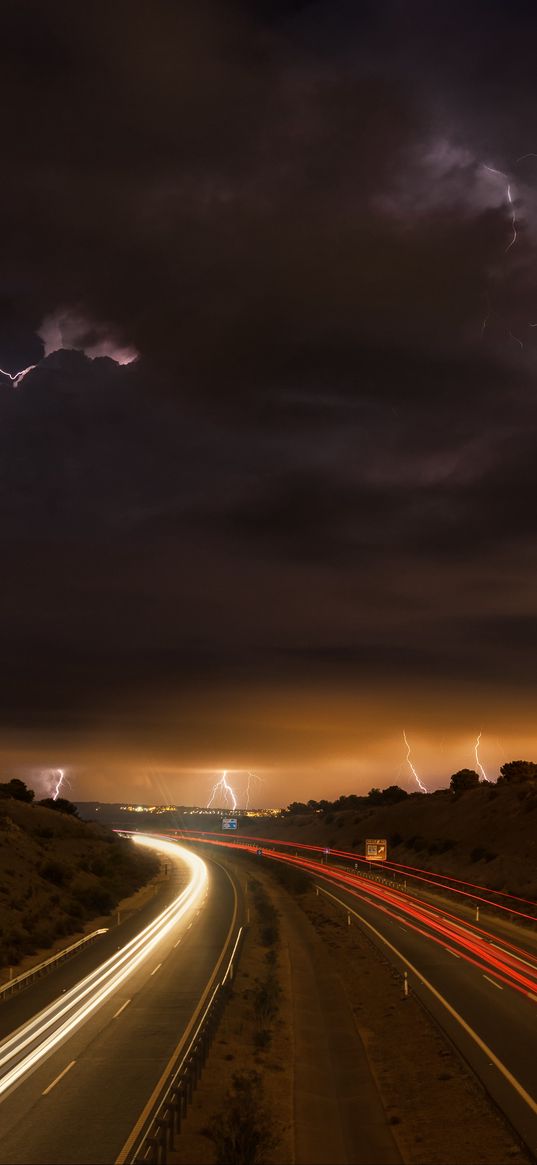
<point x="94" y="899"/>
<point x="269" y="934"/>
<point x="267" y="999"/>
<point x="56" y="872"/>
<point x="480" y="854"/>
<point x="242" y="1132"/>
<point x="292" y="879"/>
<point x="262" y="1039"/>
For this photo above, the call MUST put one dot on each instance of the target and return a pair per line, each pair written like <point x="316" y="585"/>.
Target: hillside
<point x="486" y="835"/>
<point x="57" y="873"/>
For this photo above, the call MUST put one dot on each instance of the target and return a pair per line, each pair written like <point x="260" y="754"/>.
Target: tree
<point x="518" y="770"/>
<point x="463" y="780"/>
<point x="60" y="805"/>
<point x="17" y="789"/>
<point x="389" y="796"/>
<point x="393" y="794"/>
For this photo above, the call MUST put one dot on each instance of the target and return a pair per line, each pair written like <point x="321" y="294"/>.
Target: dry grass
<point x="57" y="875"/>
<point x="234" y="1050"/>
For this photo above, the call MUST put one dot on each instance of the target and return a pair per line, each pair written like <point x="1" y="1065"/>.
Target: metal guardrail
<point x="28" y="977"/>
<point x="159" y="1138"/>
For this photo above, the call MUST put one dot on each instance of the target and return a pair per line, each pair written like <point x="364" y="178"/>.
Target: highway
<point x="479" y="985"/>
<point x="76" y="1077"/>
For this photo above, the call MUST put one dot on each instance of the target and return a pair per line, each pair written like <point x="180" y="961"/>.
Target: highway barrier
<point x="159" y="1139"/>
<point x="28" y="977"/>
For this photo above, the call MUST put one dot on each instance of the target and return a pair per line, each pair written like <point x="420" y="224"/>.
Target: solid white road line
<point x="492" y="1057"/>
<point x="58" y="1078"/>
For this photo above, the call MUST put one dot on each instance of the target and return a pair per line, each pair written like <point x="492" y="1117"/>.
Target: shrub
<point x="262" y="1039"/>
<point x="56" y="872"/>
<point x="242" y="1132"/>
<point x="480" y="854"/>
<point x="267" y="999"/>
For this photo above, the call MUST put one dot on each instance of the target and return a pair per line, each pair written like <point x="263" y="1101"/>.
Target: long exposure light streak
<point x="411" y="766"/>
<point x="516" y="967"/>
<point x="440" y="881"/>
<point x="31" y="1043"/>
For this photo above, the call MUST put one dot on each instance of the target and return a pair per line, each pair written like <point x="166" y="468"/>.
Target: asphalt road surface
<point x="81" y="1102"/>
<point x="478" y="981"/>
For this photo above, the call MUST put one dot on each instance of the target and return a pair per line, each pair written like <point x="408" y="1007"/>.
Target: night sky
<point x="303" y="518"/>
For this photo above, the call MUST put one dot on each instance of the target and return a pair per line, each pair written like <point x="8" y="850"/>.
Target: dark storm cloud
<point x="323" y="462"/>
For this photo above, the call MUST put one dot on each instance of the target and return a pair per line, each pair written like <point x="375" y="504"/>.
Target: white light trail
<point x="478" y="762"/>
<point x="223" y="787"/>
<point x="21" y="1052"/>
<point x="411" y="766"/>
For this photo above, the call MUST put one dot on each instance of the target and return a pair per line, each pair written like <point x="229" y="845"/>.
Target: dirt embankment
<point x="56" y="874"/>
<point x="486" y="835"/>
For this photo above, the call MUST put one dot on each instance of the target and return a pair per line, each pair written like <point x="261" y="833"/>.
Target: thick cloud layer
<point x="318" y="228"/>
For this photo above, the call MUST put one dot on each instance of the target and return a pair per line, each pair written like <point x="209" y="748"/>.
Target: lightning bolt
<point x="251" y="776"/>
<point x="59" y="783"/>
<point x="68" y="328"/>
<point x="478" y="762"/>
<point x="511" y="204"/>
<point x="411" y="766"/>
<point x="16" y="377"/>
<point x="222" y="786"/>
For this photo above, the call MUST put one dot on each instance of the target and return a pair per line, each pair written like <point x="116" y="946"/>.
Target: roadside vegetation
<point x="57" y="872"/>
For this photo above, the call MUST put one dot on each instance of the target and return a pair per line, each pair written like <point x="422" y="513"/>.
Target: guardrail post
<point x="177" y="1106"/>
<point x="184" y="1096"/>
<point x="161" y="1139"/>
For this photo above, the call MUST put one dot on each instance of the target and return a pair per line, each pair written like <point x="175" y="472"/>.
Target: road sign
<point x="229" y="823"/>
<point x="376" y="849"/>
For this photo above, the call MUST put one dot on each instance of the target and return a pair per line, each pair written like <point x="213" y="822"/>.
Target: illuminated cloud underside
<point x="72" y="330"/>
